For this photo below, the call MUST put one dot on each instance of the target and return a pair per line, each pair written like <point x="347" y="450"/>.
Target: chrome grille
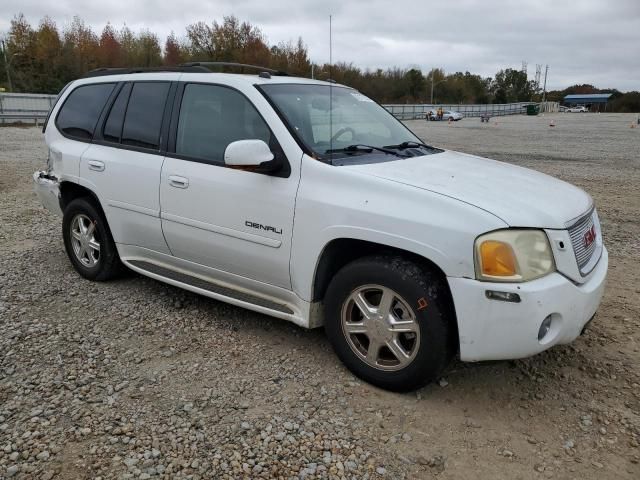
<point x="577" y="233"/>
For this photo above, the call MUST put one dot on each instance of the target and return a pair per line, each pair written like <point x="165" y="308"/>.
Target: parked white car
<point x="577" y="109"/>
<point x="309" y="202"/>
<point x="453" y="115"/>
<point x="446" y="115"/>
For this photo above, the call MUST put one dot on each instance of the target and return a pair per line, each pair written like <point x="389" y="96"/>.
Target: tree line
<point x="43" y="58"/>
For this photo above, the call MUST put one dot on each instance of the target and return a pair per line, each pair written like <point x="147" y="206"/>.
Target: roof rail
<point x="100" y="72"/>
<point x="237" y="65"/>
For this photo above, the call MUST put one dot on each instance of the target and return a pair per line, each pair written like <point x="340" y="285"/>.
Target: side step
<point x="210" y="286"/>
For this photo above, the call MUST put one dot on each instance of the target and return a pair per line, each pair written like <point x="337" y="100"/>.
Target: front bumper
<point x="499" y="330"/>
<point x="47" y="189"/>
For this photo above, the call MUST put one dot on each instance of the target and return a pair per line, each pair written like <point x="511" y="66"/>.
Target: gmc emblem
<point x="589" y="236"/>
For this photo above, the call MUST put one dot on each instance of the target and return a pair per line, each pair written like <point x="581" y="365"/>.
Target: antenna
<point x="330" y="90"/>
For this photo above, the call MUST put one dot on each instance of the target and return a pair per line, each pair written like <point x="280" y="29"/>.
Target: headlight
<point x="513" y="256"/>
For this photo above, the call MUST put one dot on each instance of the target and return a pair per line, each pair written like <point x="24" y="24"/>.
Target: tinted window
<point x="211" y="117"/>
<point x="113" y="125"/>
<point x="143" y="119"/>
<point x="82" y="108"/>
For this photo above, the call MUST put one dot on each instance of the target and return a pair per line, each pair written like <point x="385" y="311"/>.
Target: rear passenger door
<point x="124" y="162"/>
<point x="231" y="220"/>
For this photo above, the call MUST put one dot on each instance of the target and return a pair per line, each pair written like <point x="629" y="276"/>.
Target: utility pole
<point x="544" y="89"/>
<point x="6" y="65"/>
<point x="432" y="71"/>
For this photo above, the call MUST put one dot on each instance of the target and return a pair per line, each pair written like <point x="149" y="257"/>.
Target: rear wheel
<point x="88" y="241"/>
<point x="389" y="322"/>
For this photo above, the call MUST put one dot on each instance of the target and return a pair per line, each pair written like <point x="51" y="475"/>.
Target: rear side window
<point x="82" y="108"/>
<point x="211" y="117"/>
<point x="46" y="120"/>
<point x="143" y="118"/>
<point x="113" y="126"/>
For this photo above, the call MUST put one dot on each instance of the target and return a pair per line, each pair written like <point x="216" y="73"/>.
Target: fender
<point x="303" y="272"/>
<point x="363" y="207"/>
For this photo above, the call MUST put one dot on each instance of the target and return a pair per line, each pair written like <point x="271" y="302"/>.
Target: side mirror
<point x="253" y="155"/>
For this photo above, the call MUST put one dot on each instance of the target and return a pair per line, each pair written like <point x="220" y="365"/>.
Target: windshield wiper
<point x="364" y="148"/>
<point x="403" y="145"/>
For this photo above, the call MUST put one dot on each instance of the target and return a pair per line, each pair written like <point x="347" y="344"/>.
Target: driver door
<point x="235" y="221"/>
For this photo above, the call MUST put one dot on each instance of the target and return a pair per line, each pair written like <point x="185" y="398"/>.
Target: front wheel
<point x="389" y="321"/>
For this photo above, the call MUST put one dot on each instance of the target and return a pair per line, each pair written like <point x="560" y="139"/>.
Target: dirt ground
<point x="137" y="379"/>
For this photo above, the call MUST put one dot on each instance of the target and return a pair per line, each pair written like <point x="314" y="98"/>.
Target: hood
<point x="519" y="196"/>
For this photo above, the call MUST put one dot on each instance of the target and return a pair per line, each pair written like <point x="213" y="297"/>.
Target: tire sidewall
<point x="86" y="207"/>
<point x="433" y="353"/>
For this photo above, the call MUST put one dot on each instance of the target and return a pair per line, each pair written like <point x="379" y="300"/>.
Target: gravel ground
<point x="137" y="379"/>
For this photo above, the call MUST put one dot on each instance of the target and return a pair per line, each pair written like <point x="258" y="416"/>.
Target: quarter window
<point x="211" y="117"/>
<point x="143" y="119"/>
<point x="82" y="108"/>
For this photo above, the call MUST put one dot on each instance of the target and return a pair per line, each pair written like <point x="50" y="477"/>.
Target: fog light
<point x="545" y="326"/>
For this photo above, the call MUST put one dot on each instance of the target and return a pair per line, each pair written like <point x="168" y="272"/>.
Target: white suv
<point x="307" y="201"/>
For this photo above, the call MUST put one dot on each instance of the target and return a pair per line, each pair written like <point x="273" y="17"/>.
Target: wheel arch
<point x="69" y="191"/>
<point x="340" y="251"/>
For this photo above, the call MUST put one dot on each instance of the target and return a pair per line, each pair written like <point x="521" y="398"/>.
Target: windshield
<point x="329" y="123"/>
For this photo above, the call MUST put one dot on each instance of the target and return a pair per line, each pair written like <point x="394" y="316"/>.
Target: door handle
<point x="178" y="182"/>
<point x="96" y="165"/>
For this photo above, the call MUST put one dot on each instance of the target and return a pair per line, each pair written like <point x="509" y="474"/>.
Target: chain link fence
<point x="414" y="112"/>
<point x="28" y="107"/>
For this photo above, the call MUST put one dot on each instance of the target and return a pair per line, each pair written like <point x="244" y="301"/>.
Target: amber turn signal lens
<point x="497" y="259"/>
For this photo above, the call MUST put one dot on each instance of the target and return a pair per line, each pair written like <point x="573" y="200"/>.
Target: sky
<point x="582" y="41"/>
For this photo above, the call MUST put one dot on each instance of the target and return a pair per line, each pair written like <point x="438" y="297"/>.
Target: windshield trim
<point x="325" y="158"/>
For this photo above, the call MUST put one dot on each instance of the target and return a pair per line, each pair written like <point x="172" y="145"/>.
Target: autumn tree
<point x="201" y="40"/>
<point x="174" y="52"/>
<point x="110" y="50"/>
<point x="80" y="48"/>
<point x="291" y="58"/>
<point x="512" y="85"/>
<point x="230" y="41"/>
<point x="20" y="45"/>
<point x="149" y="53"/>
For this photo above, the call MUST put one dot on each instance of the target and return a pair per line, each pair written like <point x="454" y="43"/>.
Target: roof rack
<point x="190" y="67"/>
<point x="99" y="72"/>
<point x="262" y="70"/>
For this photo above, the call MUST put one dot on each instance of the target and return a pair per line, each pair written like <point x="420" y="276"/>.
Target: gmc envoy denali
<point x="308" y="201"/>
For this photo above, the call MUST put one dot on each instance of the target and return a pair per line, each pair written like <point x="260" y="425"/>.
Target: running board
<point x="202" y="284"/>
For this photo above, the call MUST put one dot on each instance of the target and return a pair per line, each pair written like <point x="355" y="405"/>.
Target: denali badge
<point x="589" y="236"/>
<point x="259" y="226"/>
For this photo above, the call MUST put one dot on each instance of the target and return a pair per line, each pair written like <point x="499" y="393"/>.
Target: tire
<point x="419" y="298"/>
<point x="98" y="265"/>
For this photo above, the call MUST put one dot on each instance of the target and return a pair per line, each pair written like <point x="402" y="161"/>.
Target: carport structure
<point x="588" y="99"/>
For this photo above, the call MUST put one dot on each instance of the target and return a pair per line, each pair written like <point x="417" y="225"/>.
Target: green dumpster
<point x="533" y="109"/>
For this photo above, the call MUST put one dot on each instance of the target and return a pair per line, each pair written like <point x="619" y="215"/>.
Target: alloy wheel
<point x="83" y="240"/>
<point x="380" y="327"/>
